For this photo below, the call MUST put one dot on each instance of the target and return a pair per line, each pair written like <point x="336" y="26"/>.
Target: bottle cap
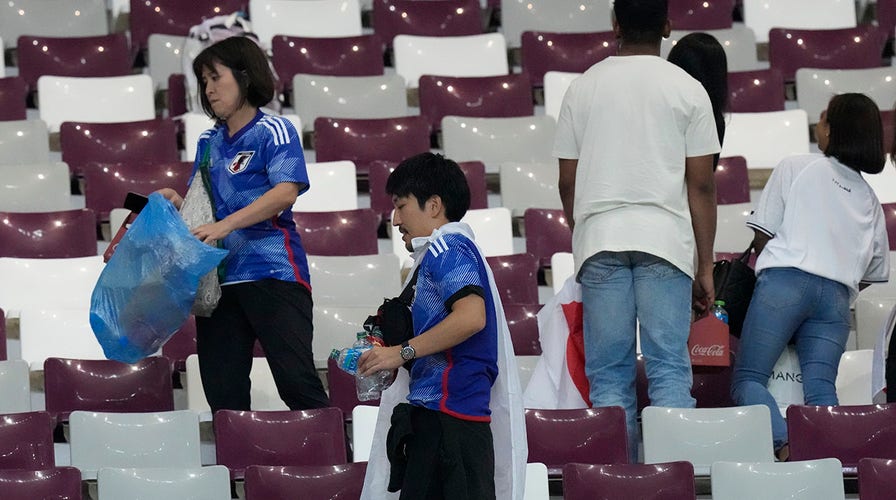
<point x="334" y="354"/>
<point x="361" y="335"/>
<point x="719" y="303"/>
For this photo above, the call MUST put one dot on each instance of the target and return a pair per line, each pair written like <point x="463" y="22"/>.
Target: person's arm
<point x="567" y="187"/>
<point x="172" y="196"/>
<point x="759" y="241"/>
<point x="277" y="199"/>
<point x="701" y="189"/>
<point x="467" y="317"/>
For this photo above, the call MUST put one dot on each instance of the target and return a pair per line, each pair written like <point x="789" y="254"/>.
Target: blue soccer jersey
<point x="457" y="381"/>
<point x="261" y="155"/>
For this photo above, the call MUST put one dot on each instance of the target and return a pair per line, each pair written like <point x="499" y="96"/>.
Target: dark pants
<point x="278" y="314"/>
<point x="448" y="458"/>
<point x="891" y="370"/>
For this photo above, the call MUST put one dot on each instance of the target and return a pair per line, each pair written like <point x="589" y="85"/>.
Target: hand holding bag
<point x="734" y="282"/>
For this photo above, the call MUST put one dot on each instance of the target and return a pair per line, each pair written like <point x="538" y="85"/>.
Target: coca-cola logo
<point x="715" y="350"/>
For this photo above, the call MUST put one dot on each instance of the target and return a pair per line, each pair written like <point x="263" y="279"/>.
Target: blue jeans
<point x="619" y="288"/>
<point x="790" y="303"/>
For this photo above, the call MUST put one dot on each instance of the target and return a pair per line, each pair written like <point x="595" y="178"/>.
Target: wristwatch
<point x="407" y="351"/>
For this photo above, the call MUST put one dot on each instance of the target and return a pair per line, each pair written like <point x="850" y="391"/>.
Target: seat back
<point x="53" y="18"/>
<point x="35" y="187"/>
<point x="525" y="185"/>
<point x="492" y="228"/>
<point x="337" y="327"/>
<point x="732" y="233"/>
<point x="307" y="437"/>
<point x="706" y="435"/>
<point x="470" y="55"/>
<point x="181" y="345"/>
<point x="562" y="268"/>
<point x="807" y="480"/>
<point x="24" y="142"/>
<point x="877" y="478"/>
<point x="26" y="441"/>
<point x="484" y="96"/>
<point x="516" y="277"/>
<point x="363" y="426"/>
<point x="173" y="17"/>
<point x="333" y="188"/>
<point x="343" y="394"/>
<point x="27" y="484"/>
<point x="54" y="235"/>
<point x="555" y="85"/>
<point x="732" y="181"/>
<point x="361" y="280"/>
<point x="342" y="233"/>
<point x="105" y="55"/>
<point x="316" y="481"/>
<point x="763" y="15"/>
<point x="619" y="481"/>
<point x="363" y="141"/>
<point x="815" y="87"/>
<point x="348" y="97"/>
<point x="443" y="18"/>
<point x="710" y="15"/>
<point x="198" y="482"/>
<point x="536" y="482"/>
<point x="493" y="141"/>
<point x="568" y="16"/>
<point x="755" y="91"/>
<point x="523" y="324"/>
<point x="106" y="185"/>
<point x="847" y="433"/>
<point x="315" y="18"/>
<point x="854" y="380"/>
<point x="15" y="384"/>
<point x="159" y="439"/>
<point x="95" y="99"/>
<point x="135" y="142"/>
<point x="264" y="395"/>
<point x="12" y="97"/>
<point x="738" y="41"/>
<point x="884" y="185"/>
<point x="543" y="51"/>
<point x="850" y="48"/>
<point x="106" y="385"/>
<point x="48" y="283"/>
<point x="335" y="56"/>
<point x="380" y="201"/>
<point x="587" y="435"/>
<point x="781" y="133"/>
<point x="61" y="333"/>
<point x="165" y="59"/>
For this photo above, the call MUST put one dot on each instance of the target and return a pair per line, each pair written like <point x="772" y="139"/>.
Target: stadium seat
<point x="194" y="124"/>
<point x="854" y="381"/>
<point x="732" y="181"/>
<point x="15" y="386"/>
<point x="334" y="56"/>
<point x="336" y="327"/>
<point x="211" y="482"/>
<point x="106" y="385"/>
<point x="165" y="59"/>
<point x="316" y="481"/>
<point x="314" y="96"/>
<point x="24" y="142"/>
<point x="134" y="142"/>
<point x="48" y="284"/>
<point x="621" y="481"/>
<point x="492" y="228"/>
<point x="53" y="18"/>
<point x="781" y="133"/>
<point x="106" y="185"/>
<point x="523" y="324"/>
<point x="815" y="87"/>
<point x="12" y="98"/>
<point x="555" y="85"/>
<point x="562" y="268"/>
<point x="95" y="99"/>
<point x="567" y="16"/>
<point x="26" y="440"/>
<point x="333" y="187"/>
<point x="308" y="437"/>
<point x="92" y="56"/>
<point x="60" y="333"/>
<point x="382" y="202"/>
<point x="702" y="16"/>
<point x="358" y="280"/>
<point x="796" y="480"/>
<point x="587" y="435"/>
<point x="527" y="185"/>
<point x="494" y="141"/>
<point x="181" y="345"/>
<point x="850" y="48"/>
<point x="318" y="18"/>
<point x="53" y="235"/>
<point x="343" y="394"/>
<point x="877" y="478"/>
<point x="706" y="435"/>
<point x="470" y="55"/>
<point x="755" y="91"/>
<point x="547" y="232"/>
<point x="63" y="483"/>
<point x="442" y="18"/>
<point x="543" y="51"/>
<point x="482" y="96"/>
<point x="173" y="17"/>
<point x="158" y="439"/>
<point x="847" y="433"/>
<point x="763" y="15"/>
<point x="264" y="391"/>
<point x="363" y="426"/>
<point x="363" y="141"/>
<point x="341" y="233"/>
<point x="516" y="277"/>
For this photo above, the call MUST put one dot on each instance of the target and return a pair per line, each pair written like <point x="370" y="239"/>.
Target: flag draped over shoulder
<point x="558" y="380"/>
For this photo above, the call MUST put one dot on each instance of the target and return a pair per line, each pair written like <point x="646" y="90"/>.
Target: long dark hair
<point x="703" y="57"/>
<point x="856" y="133"/>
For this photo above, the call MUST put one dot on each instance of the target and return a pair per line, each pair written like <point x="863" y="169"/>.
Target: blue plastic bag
<point x="147" y="288"/>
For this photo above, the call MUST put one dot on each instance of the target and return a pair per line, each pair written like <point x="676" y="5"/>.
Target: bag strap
<point x="745" y="257"/>
<point x="207" y="184"/>
<point x="408" y="292"/>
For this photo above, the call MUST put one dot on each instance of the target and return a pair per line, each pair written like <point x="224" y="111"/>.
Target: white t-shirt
<point x="824" y="219"/>
<point x="631" y="121"/>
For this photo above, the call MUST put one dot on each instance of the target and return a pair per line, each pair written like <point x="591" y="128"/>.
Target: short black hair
<point x="426" y="175"/>
<point x="641" y="21"/>
<point x="856" y="133"/>
<point x="249" y="65"/>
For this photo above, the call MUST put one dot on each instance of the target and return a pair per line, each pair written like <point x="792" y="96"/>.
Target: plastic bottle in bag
<point x="718" y="310"/>
<point x="368" y="387"/>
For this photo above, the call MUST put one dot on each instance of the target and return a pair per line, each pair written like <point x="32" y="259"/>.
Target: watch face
<point x="407" y="353"/>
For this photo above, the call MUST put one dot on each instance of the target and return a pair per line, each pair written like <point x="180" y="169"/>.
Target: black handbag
<point x="734" y="281"/>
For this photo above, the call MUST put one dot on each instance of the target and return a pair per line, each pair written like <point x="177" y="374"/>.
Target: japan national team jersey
<point x="261" y="155"/>
<point x="457" y="381"/>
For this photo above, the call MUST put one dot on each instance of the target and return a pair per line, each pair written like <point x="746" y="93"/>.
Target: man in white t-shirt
<point x="635" y="142"/>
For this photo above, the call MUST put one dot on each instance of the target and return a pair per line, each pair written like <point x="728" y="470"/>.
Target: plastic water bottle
<point x="367" y="387"/>
<point x="718" y="310"/>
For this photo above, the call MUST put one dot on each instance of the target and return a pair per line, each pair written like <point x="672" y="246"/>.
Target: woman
<point x="257" y="169"/>
<point x="821" y="237"/>
<point x="703" y="57"/>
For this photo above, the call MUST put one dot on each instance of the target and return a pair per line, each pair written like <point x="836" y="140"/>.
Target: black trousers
<point x="278" y="314"/>
<point x="890" y="370"/>
<point x="448" y="458"/>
